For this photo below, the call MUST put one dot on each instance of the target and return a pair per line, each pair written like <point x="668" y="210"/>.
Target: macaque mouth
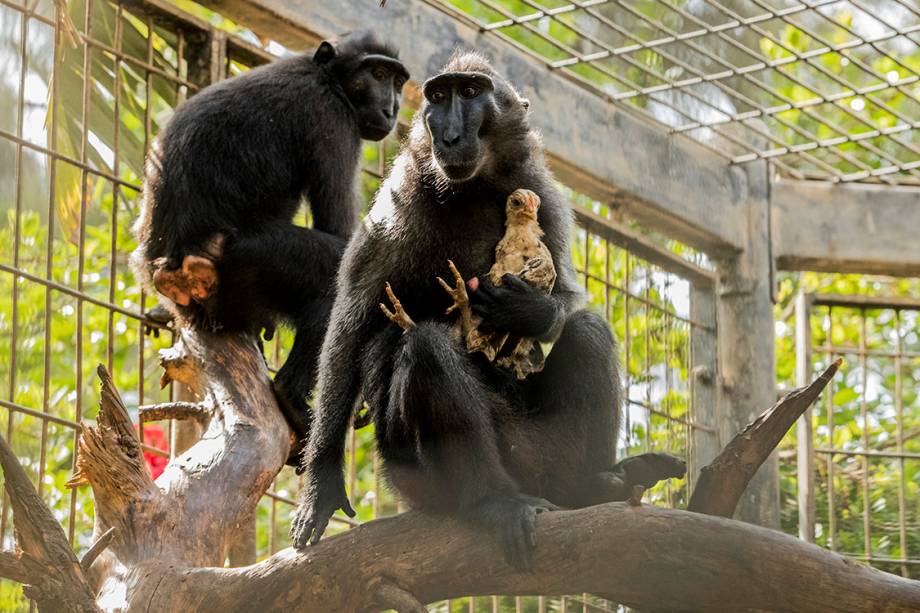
<point x="458" y="169"/>
<point x="460" y="173"/>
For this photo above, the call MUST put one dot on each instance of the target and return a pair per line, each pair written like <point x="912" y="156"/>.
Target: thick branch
<point x="16" y="566"/>
<point x="646" y="557"/>
<point x="388" y="595"/>
<point x="47" y="562"/>
<point x="722" y="483"/>
<point x="216" y="484"/>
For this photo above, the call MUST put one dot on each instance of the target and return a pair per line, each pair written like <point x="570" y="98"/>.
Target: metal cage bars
<point x="52" y="161"/>
<point x="734" y="105"/>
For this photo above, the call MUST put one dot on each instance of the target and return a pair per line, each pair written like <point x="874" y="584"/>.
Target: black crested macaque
<point x="456" y="433"/>
<point x="225" y="179"/>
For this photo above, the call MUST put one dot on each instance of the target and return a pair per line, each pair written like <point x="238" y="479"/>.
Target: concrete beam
<point x="667" y="183"/>
<point x="857" y="228"/>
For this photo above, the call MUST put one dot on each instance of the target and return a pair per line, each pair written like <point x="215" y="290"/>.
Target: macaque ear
<point x="325" y="53"/>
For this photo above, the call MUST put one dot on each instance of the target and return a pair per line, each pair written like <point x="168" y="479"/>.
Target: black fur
<point x="456" y="433"/>
<point x="236" y="161"/>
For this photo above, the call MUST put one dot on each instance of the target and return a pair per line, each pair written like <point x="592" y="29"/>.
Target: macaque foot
<point x="513" y="521"/>
<point x="298" y="418"/>
<point x="635" y="496"/>
<point x="195" y="280"/>
<point x="629" y="479"/>
<point x="398" y="316"/>
<point x="647" y="469"/>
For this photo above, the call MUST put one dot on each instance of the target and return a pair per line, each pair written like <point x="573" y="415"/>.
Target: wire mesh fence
<point x="864" y="458"/>
<point x="825" y="89"/>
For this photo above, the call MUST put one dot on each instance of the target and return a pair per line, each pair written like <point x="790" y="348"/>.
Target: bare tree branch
<point x="96" y="548"/>
<point x="649" y="558"/>
<point x="14" y="565"/>
<point x="388" y="595"/>
<point x="47" y="561"/>
<point x="174" y="410"/>
<point x="722" y="483"/>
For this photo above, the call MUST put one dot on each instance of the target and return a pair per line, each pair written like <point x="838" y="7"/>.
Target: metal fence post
<point x="703" y="378"/>
<point x="804" y="436"/>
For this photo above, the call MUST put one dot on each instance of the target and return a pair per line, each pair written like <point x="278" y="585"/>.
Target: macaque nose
<point x="450" y="139"/>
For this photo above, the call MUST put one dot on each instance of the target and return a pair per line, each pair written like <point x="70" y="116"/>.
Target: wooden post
<point x="745" y="316"/>
<point x="804" y="436"/>
<point x="705" y="398"/>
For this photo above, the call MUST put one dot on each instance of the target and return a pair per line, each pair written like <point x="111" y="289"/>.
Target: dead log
<point x="172" y="536"/>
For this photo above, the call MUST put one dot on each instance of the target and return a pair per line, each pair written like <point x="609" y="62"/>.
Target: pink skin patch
<point x="473" y="284"/>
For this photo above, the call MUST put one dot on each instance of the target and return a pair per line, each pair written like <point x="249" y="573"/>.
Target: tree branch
<point x="170" y="555"/>
<point x="722" y="483"/>
<point x="15" y="566"/>
<point x="96" y="548"/>
<point x="388" y="595"/>
<point x="646" y="557"/>
<point x="234" y="463"/>
<point x="52" y="572"/>
<point x="174" y="410"/>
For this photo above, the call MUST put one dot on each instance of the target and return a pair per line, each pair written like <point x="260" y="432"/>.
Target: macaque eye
<point x="469" y="91"/>
<point x="438" y="95"/>
<point x="379" y="73"/>
<point x="399" y="83"/>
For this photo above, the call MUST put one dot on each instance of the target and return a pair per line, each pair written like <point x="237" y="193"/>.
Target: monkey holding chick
<point x="521" y="253"/>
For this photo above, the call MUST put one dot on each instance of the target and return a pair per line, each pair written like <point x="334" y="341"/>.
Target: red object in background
<point x="154" y="436"/>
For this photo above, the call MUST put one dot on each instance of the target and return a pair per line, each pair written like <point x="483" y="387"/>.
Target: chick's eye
<point x="469" y="91"/>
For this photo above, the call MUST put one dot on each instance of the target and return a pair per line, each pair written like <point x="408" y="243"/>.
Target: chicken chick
<point x="522" y="253"/>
